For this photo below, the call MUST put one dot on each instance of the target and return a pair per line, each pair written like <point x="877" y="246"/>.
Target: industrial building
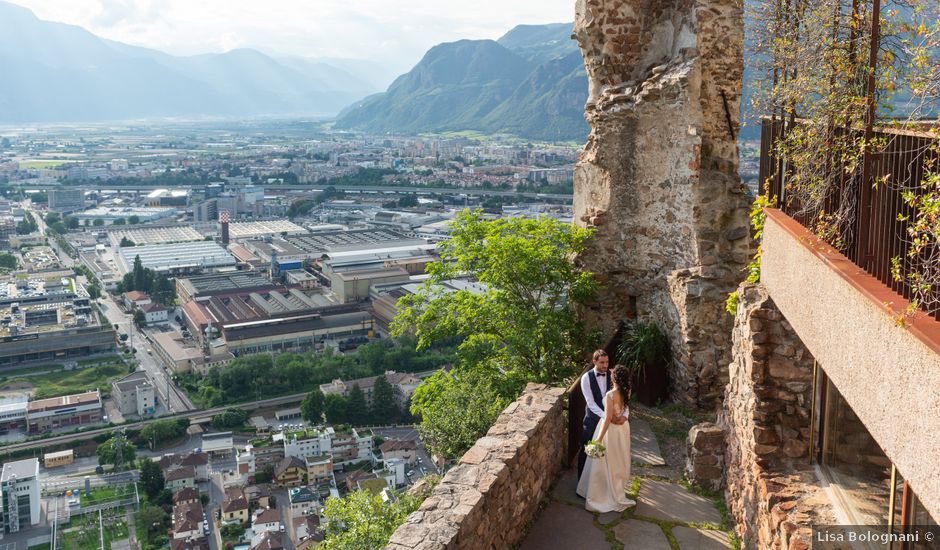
<point x="153" y="235"/>
<point x="108" y="214"/>
<point x="20" y="494"/>
<point x="315" y="245"/>
<point x="134" y="394"/>
<point x="190" y="288"/>
<point x="168" y="197"/>
<point x="255" y="229"/>
<point x="68" y="410"/>
<point x="49" y="320"/>
<point x="66" y="200"/>
<point x="272" y="319"/>
<point x="177" y="258"/>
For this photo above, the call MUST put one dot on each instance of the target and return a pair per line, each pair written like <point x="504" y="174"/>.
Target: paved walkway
<point x="666" y="517"/>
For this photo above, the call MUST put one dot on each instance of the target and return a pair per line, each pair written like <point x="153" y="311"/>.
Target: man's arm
<point x="589" y="396"/>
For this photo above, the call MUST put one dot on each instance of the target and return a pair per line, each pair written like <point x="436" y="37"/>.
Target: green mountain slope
<point x="530" y="83"/>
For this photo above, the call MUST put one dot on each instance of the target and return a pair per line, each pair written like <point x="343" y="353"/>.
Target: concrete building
<point x="49" y="320"/>
<point x="199" y="286"/>
<point x="69" y="410"/>
<point x="303" y="501"/>
<point x="404" y="449"/>
<point x="313" y="442"/>
<point x="319" y="468"/>
<point x="355" y="286"/>
<point x="66" y="200"/>
<point x="20" y="495"/>
<point x="134" y="394"/>
<point x="256" y="229"/>
<point x="180" y="477"/>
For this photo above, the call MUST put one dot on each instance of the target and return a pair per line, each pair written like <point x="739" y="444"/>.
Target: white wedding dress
<point x="605" y="480"/>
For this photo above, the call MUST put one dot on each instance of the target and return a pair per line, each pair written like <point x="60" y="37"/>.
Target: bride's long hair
<point x="621" y="376"/>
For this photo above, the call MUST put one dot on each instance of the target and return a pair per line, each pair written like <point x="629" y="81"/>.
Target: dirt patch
<point x="671" y="424"/>
<point x="15" y="388"/>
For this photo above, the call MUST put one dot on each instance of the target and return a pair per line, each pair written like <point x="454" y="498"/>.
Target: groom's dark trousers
<point x="590" y="419"/>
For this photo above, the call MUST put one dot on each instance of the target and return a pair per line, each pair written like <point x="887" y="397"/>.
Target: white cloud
<point x="395" y="32"/>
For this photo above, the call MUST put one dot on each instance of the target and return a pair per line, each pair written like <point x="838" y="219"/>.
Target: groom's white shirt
<point x="589" y="395"/>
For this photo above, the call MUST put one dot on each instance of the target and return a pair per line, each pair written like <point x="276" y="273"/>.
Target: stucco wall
<point x="487" y="500"/>
<point x="889" y="376"/>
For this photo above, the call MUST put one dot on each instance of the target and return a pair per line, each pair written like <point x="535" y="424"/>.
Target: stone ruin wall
<point x="489" y="498"/>
<point x="658" y="177"/>
<point x="770" y="486"/>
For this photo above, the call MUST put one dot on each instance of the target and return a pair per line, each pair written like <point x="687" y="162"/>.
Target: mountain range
<point x="54" y="72"/>
<point x="530" y="83"/>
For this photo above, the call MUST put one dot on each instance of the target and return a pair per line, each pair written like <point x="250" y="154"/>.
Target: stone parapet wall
<point x="658" y="176"/>
<point x="492" y="494"/>
<point x="771" y="487"/>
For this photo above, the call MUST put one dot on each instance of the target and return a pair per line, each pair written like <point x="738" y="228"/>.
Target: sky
<point x="394" y="32"/>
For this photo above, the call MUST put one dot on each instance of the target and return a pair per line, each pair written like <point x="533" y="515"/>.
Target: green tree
<point x="133" y="220"/>
<point x="51" y="218"/>
<point x="107" y="455"/>
<point x="521" y="321"/>
<point x="98" y="222"/>
<point x="139" y="318"/>
<point x="94" y="291"/>
<point x="59" y="228"/>
<point x="151" y="477"/>
<point x="8" y="261"/>
<point x="119" y="221"/>
<point x="456" y="409"/>
<point x="161" y="431"/>
<point x="27" y="225"/>
<point x="126" y="242"/>
<point x="335" y="407"/>
<point x="140" y="277"/>
<point x="384" y="408"/>
<point x="230" y="418"/>
<point x="311" y="408"/>
<point x="363" y="521"/>
<point x="152" y="519"/>
<point x="5" y="143"/>
<point x="71" y="222"/>
<point x="357" y="412"/>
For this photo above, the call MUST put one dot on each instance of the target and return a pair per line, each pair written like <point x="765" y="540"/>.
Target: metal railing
<point x="875" y="217"/>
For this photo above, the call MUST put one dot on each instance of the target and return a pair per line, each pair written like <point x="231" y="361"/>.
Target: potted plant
<point x="645" y="350"/>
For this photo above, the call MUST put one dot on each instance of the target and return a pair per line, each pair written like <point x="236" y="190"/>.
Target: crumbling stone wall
<point x="494" y="492"/>
<point x="658" y="177"/>
<point x="771" y="488"/>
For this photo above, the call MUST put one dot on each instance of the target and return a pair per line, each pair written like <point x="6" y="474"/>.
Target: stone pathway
<point x="667" y="516"/>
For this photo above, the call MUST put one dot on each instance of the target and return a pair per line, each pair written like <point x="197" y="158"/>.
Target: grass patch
<point x="108" y="493"/>
<point x="41" y="164"/>
<point x="63" y="382"/>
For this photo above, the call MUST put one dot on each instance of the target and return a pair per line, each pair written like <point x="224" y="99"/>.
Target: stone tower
<point x="658" y="179"/>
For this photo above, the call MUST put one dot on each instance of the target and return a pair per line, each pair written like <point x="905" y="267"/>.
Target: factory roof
<point x="164" y="257"/>
<point x="359" y="239"/>
<point x="154" y="235"/>
<point x="246" y="230"/>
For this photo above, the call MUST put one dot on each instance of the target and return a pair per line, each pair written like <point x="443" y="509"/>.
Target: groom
<point x="594" y="385"/>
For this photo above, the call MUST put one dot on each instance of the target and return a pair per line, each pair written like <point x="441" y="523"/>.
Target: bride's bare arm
<point x="608" y="416"/>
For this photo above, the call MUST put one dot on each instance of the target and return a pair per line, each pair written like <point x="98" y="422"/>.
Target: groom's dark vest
<point x="598" y="396"/>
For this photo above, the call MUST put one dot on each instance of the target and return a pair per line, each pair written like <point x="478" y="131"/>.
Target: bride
<point x="606" y="479"/>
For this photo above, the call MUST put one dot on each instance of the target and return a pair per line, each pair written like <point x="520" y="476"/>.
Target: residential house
<point x="245" y="463"/>
<point x="403" y="385"/>
<point x="201" y="543"/>
<point x="307" y="528"/>
<point x="393" y="472"/>
<point x="267" y="541"/>
<point x="155" y="313"/>
<point x="187" y="521"/>
<point x="355" y="477"/>
<point x="319" y="468"/>
<point x="405" y="449"/>
<point x="268" y="519"/>
<point x="303" y="501"/>
<point x="290" y="472"/>
<point x="235" y="506"/>
<point x="186" y="495"/>
<point x="134" y="394"/>
<point x="179" y="477"/>
<point x="199" y="462"/>
<point x="258" y="495"/>
<point x="310" y="443"/>
<point x="350" y="447"/>
<point x="136" y="298"/>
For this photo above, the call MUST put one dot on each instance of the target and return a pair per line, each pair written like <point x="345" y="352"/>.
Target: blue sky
<point x="395" y="32"/>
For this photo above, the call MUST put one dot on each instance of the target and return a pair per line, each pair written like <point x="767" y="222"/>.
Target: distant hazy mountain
<point x="531" y="83"/>
<point x="63" y="73"/>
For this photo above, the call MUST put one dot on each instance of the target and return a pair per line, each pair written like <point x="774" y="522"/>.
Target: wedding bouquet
<point x="595" y="449"/>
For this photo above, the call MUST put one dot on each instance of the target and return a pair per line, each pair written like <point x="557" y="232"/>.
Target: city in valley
<point x="156" y="281"/>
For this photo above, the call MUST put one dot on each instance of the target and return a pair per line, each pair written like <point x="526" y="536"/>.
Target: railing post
<point x="864" y="201"/>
